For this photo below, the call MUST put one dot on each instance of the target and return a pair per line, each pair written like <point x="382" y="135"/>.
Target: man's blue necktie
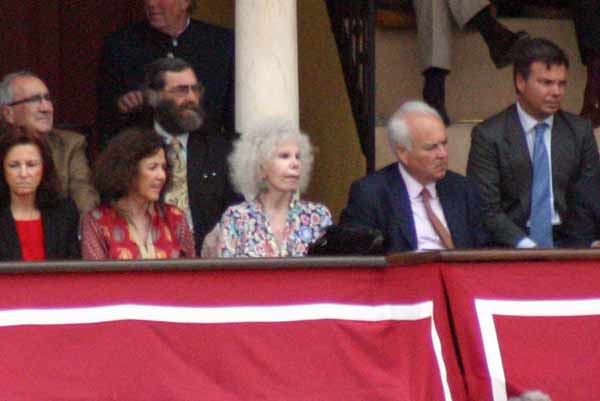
<point x="540" y="220"/>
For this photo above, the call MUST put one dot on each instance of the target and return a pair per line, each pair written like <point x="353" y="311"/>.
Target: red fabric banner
<point x="524" y="326"/>
<point x="343" y="334"/>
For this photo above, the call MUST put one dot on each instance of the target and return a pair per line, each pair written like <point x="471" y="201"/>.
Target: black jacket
<point x="60" y="223"/>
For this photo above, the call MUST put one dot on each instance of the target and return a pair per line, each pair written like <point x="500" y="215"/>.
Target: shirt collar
<point x="183" y="138"/>
<point x="164" y="36"/>
<point x="528" y="122"/>
<point x="150" y="209"/>
<point x="413" y="186"/>
<point x="293" y="201"/>
<point x="187" y="23"/>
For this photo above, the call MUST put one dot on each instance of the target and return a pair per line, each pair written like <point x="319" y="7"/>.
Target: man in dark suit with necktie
<point x="527" y="159"/>
<point x="417" y="203"/>
<point x="197" y="153"/>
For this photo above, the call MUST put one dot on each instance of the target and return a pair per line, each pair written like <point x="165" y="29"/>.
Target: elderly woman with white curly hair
<point x="271" y="167"/>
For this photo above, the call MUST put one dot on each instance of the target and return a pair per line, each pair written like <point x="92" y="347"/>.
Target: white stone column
<point x="266" y="62"/>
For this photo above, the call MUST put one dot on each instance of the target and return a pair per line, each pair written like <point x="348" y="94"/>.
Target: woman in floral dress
<point x="271" y="167"/>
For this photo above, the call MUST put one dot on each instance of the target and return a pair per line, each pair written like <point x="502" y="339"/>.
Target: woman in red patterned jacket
<point x="132" y="222"/>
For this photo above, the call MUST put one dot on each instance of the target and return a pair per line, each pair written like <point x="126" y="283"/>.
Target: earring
<point x="262" y="185"/>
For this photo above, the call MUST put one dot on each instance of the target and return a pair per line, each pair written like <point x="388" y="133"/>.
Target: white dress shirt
<point x="427" y="237"/>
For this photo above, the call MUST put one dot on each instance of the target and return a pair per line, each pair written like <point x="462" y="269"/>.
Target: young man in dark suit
<point x="417" y="203"/>
<point x="527" y="159"/>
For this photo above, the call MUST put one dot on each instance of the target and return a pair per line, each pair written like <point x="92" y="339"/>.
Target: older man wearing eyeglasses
<point x="26" y="102"/>
<point x="196" y="151"/>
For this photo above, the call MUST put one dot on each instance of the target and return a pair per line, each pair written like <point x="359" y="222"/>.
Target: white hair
<point x="397" y="128"/>
<point x="529" y="395"/>
<point x="256" y="147"/>
<point x="6" y="92"/>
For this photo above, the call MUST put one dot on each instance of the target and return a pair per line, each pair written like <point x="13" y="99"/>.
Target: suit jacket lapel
<point x="196" y="157"/>
<point x="520" y="160"/>
<point x="49" y="235"/>
<point x="561" y="154"/>
<point x="8" y="235"/>
<point x="452" y="213"/>
<point x="403" y="220"/>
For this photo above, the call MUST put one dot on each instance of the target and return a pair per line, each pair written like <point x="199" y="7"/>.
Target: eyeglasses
<point x="183" y="90"/>
<point x="33" y="99"/>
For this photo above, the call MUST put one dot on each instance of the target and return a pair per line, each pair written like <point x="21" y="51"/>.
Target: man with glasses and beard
<point x="198" y="157"/>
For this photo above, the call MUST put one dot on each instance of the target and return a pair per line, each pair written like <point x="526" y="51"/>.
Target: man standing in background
<point x="168" y="31"/>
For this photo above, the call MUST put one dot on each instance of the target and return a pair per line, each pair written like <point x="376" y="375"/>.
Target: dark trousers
<point x="586" y="14"/>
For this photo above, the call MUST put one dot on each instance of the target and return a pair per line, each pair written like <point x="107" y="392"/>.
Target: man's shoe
<point x="442" y="110"/>
<point x="591" y="111"/>
<point x="591" y="95"/>
<point x="439" y="105"/>
<point x="502" y="51"/>
<point x="434" y="90"/>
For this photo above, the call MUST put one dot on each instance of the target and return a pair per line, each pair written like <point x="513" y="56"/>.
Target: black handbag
<point x="348" y="240"/>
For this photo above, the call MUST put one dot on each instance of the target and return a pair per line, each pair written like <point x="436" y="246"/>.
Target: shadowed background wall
<point x="61" y="41"/>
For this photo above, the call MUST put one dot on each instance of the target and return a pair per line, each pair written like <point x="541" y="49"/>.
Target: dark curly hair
<point x="117" y="166"/>
<point x="48" y="192"/>
<point x="154" y="73"/>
